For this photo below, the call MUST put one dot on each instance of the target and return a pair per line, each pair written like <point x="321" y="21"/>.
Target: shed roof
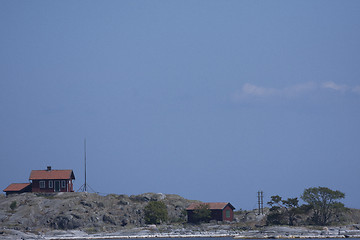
<point x="16" y="187"/>
<point x="51" y="174"/>
<point x="212" y="205"/>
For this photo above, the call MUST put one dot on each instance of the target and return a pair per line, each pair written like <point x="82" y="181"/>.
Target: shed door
<point x="57" y="186"/>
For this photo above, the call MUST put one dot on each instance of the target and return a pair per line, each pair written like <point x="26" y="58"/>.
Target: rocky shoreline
<point x="274" y="232"/>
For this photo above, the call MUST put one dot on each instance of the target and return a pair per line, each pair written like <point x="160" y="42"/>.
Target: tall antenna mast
<point x="85" y="189"/>
<point x="85" y="186"/>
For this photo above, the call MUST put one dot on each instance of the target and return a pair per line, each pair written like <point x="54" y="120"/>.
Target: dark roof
<point x="16" y="187"/>
<point x="212" y="205"/>
<point x="51" y="174"/>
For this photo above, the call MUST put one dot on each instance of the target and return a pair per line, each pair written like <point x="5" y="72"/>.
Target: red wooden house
<point x="52" y="180"/>
<point x="220" y="211"/>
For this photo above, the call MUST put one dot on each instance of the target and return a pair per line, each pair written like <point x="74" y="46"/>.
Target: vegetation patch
<point x="13" y="205"/>
<point x="155" y="212"/>
<point x="202" y="213"/>
<point x="322" y="208"/>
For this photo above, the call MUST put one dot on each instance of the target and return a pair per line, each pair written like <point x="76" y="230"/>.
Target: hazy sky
<point x="211" y="100"/>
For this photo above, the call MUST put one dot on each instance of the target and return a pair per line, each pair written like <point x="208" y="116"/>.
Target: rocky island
<point x="92" y="216"/>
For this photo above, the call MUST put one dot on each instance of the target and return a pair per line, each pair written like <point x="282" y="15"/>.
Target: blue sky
<point x="211" y="100"/>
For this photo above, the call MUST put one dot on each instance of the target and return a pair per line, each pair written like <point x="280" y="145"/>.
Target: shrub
<point x="155" y="212"/>
<point x="202" y="213"/>
<point x="13" y="205"/>
<point x="275" y="217"/>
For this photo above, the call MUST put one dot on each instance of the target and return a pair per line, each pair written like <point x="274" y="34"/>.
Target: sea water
<point x="230" y="238"/>
<point x="188" y="238"/>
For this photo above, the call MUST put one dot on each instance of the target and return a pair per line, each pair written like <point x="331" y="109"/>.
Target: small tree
<point x="290" y="207"/>
<point x="155" y="213"/>
<point x="202" y="213"/>
<point x="275" y="216"/>
<point x="323" y="202"/>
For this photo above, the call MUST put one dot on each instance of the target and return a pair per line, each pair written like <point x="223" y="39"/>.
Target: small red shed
<point x="17" y="188"/>
<point x="220" y="211"/>
<point x="52" y="180"/>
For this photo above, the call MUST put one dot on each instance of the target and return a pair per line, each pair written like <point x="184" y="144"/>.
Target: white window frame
<point x="42" y="184"/>
<point x="51" y="184"/>
<point x="63" y="183"/>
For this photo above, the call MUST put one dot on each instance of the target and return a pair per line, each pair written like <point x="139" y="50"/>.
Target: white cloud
<point x="250" y="90"/>
<point x="334" y="86"/>
<point x="253" y="91"/>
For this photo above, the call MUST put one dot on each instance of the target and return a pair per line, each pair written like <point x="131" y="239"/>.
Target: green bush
<point x="275" y="218"/>
<point x="202" y="213"/>
<point x="13" y="205"/>
<point x="155" y="213"/>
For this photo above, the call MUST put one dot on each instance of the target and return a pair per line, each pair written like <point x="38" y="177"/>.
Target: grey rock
<point x="64" y="223"/>
<point x="83" y="211"/>
<point x="108" y="219"/>
<point x="122" y="202"/>
<point x="124" y="222"/>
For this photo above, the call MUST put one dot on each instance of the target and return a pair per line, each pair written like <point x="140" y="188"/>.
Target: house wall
<point x="231" y="217"/>
<point x="217" y="214"/>
<point x="36" y="186"/>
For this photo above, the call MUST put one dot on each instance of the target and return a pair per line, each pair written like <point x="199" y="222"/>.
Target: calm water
<point x="229" y="238"/>
<point x="190" y="238"/>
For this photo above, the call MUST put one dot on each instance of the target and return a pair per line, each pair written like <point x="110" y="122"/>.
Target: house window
<point x="227" y="213"/>
<point x="63" y="184"/>
<point x="51" y="184"/>
<point x="42" y="184"/>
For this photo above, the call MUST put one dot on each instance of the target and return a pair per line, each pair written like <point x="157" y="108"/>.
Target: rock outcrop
<point x="85" y="211"/>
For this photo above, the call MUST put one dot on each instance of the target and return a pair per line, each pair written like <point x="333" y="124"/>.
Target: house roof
<point x="212" y="205"/>
<point x="16" y="187"/>
<point x="51" y="174"/>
